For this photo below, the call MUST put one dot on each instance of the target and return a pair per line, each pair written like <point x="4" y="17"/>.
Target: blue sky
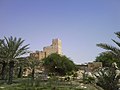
<point x="80" y="24"/>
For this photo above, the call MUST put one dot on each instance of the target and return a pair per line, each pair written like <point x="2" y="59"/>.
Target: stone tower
<point x="55" y="47"/>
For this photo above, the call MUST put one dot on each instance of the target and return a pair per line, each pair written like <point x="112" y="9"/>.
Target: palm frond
<point x="110" y="53"/>
<point x="116" y="42"/>
<point x="118" y="34"/>
<point x="12" y="47"/>
<point x="21" y="50"/>
<point x="109" y="47"/>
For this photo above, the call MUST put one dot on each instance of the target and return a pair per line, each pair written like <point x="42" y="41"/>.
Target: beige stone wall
<point x="41" y="55"/>
<point x="55" y="47"/>
<point x="94" y="65"/>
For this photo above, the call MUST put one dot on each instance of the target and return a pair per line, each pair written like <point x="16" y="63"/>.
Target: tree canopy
<point x="114" y="50"/>
<point x="60" y="65"/>
<point x="106" y="58"/>
<point x="11" y="48"/>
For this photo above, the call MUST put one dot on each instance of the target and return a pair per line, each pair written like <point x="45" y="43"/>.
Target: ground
<point x="27" y="84"/>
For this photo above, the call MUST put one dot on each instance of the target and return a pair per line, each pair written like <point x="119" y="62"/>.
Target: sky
<point x="80" y="24"/>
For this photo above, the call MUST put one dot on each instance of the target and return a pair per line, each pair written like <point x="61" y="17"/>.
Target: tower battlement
<point x="55" y="47"/>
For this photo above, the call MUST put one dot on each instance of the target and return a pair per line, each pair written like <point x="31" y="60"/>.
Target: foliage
<point x="115" y="51"/>
<point x="106" y="78"/>
<point x="89" y="80"/>
<point x="33" y="63"/>
<point x="12" y="48"/>
<point x="20" y="65"/>
<point x="60" y="65"/>
<point x="25" y="84"/>
<point x="106" y="58"/>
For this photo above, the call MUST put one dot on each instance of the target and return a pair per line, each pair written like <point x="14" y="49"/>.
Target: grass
<point x="51" y="84"/>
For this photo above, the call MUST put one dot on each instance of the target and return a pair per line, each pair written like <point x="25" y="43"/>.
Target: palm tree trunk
<point x="32" y="76"/>
<point x="20" y="72"/>
<point x="3" y="70"/>
<point x="33" y="72"/>
<point x="11" y="68"/>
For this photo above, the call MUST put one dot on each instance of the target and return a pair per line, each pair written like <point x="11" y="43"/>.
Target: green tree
<point x="21" y="64"/>
<point x="60" y="65"/>
<point x="112" y="49"/>
<point x="106" y="78"/>
<point x="2" y="60"/>
<point x="67" y="65"/>
<point x="4" y="64"/>
<point x="33" y="63"/>
<point x="107" y="58"/>
<point x="11" y="49"/>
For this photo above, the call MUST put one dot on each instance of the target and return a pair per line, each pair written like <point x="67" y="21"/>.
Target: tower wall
<point x="55" y="47"/>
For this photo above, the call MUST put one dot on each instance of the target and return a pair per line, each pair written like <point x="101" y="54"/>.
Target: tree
<point x="106" y="78"/>
<point x="107" y="58"/>
<point x="4" y="64"/>
<point x="67" y="65"/>
<point x="115" y="51"/>
<point x="12" y="48"/>
<point x="59" y="65"/>
<point x="33" y="63"/>
<point x="22" y="62"/>
<point x="3" y="60"/>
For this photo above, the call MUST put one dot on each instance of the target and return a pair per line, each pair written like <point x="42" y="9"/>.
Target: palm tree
<point x="112" y="49"/>
<point x="33" y="63"/>
<point x="106" y="78"/>
<point x="22" y="63"/>
<point x="12" y="49"/>
<point x="2" y="60"/>
<point x="107" y="58"/>
<point x="4" y="64"/>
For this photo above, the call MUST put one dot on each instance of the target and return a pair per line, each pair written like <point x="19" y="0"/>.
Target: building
<point x="94" y="65"/>
<point x="90" y="66"/>
<point x="55" y="47"/>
